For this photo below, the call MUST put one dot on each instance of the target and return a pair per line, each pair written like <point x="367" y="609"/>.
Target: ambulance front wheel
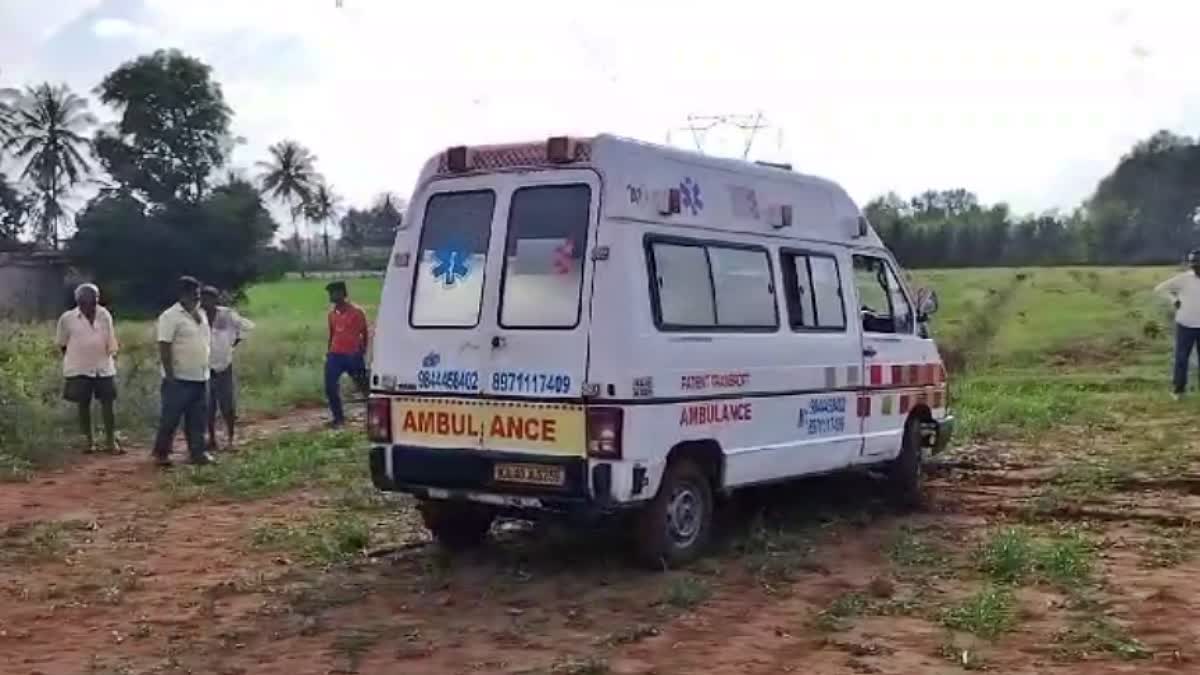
<point x="904" y="474"/>
<point x="674" y="528"/>
<point x="457" y="525"/>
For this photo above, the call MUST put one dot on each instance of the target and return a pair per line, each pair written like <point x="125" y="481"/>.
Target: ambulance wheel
<point x="904" y="473"/>
<point x="457" y="525"/>
<point x="674" y="528"/>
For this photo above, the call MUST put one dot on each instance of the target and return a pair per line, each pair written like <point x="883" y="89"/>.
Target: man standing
<point x="348" y="339"/>
<point x="183" y="347"/>
<point x="228" y="329"/>
<point x="88" y="341"/>
<point x="1184" y="290"/>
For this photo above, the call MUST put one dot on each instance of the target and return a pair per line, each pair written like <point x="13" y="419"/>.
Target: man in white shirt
<point x="184" y="343"/>
<point x="228" y="329"/>
<point x="88" y="341"/>
<point x="1184" y="290"/>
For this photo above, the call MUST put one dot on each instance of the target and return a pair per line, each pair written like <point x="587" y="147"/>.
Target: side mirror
<point x="927" y="302"/>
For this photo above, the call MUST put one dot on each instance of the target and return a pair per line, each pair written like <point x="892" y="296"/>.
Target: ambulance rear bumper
<point x="469" y="474"/>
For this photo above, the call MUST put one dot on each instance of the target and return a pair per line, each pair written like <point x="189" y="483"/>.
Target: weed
<point x="988" y="613"/>
<point x="844" y="607"/>
<point x="1065" y="560"/>
<point x="326" y="538"/>
<point x="354" y="643"/>
<point x="629" y="635"/>
<point x="1014" y="554"/>
<point x="1007" y="556"/>
<point x="573" y="665"/>
<point x="909" y="550"/>
<point x="1097" y="634"/>
<point x="964" y="657"/>
<point x="272" y="466"/>
<point x="685" y="592"/>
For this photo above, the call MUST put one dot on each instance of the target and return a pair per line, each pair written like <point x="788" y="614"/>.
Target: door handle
<point x="498" y="342"/>
<point x="869" y="351"/>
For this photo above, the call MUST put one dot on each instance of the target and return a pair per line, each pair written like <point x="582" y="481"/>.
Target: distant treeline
<point x="1146" y="211"/>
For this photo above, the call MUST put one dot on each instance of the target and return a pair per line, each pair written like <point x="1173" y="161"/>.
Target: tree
<point x="174" y="127"/>
<point x="47" y="133"/>
<point x="323" y="206"/>
<point x="137" y="252"/>
<point x="15" y="209"/>
<point x="290" y="177"/>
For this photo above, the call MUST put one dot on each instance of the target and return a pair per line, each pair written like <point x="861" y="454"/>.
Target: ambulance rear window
<point x="448" y="290"/>
<point x="543" y="256"/>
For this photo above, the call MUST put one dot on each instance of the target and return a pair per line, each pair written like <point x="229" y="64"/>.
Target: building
<point x="32" y="284"/>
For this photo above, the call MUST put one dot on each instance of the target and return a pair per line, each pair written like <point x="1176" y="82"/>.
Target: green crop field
<point x="279" y="365"/>
<point x="1028" y="349"/>
<point x="1034" y="348"/>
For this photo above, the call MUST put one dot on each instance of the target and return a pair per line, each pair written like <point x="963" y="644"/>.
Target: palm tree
<point x="323" y="206"/>
<point x="47" y="131"/>
<point x="290" y="177"/>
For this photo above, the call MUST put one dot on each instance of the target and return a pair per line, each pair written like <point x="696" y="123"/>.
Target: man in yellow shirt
<point x="183" y="345"/>
<point x="88" y="341"/>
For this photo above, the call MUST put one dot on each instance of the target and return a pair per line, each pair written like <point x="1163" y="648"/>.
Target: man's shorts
<point x="222" y="394"/>
<point x="82" y="389"/>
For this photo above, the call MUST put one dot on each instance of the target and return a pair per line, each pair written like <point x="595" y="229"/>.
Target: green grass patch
<point x="1098" y="635"/>
<point x="324" y="539"/>
<point x="1013" y="555"/>
<point x="912" y="552"/>
<point x="685" y="592"/>
<point x="988" y="613"/>
<point x="268" y="467"/>
<point x="837" y="616"/>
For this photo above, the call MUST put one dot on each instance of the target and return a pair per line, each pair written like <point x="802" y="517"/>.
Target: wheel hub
<point x="685" y="515"/>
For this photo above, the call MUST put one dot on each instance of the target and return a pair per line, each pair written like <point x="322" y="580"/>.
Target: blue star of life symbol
<point x="689" y="191"/>
<point x="450" y="266"/>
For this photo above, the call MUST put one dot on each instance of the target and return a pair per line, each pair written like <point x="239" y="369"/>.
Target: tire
<point x="674" y="528"/>
<point x="457" y="526"/>
<point x="904" y="474"/>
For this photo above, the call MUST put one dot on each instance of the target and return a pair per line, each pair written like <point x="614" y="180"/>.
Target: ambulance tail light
<point x="379" y="419"/>
<point x="604" y="432"/>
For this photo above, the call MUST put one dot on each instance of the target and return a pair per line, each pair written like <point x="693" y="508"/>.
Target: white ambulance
<point x="596" y="326"/>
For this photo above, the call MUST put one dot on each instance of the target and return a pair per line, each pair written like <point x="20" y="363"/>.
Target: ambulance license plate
<point x="532" y="474"/>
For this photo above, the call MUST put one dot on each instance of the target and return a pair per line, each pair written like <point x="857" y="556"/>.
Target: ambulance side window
<point x="813" y="290"/>
<point x="884" y="307"/>
<point x="703" y="286"/>
<point x="685" y="296"/>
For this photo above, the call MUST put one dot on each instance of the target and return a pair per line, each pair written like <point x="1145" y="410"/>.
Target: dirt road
<point x="102" y="573"/>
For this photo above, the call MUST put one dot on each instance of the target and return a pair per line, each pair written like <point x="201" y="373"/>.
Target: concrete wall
<point x="32" y="286"/>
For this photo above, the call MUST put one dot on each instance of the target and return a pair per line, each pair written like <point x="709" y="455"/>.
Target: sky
<point x="1019" y="101"/>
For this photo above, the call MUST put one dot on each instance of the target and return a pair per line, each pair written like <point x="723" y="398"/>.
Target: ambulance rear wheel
<point x="674" y="528"/>
<point x="457" y="525"/>
<point x="904" y="473"/>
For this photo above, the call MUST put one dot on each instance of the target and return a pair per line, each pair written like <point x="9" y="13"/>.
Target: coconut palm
<point x="290" y="177"/>
<point x="323" y="206"/>
<point x="47" y="131"/>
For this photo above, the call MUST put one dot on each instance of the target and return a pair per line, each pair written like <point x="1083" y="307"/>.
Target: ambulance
<point x="585" y="327"/>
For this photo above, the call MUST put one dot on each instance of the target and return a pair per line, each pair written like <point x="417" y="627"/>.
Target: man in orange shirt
<point x="348" y="339"/>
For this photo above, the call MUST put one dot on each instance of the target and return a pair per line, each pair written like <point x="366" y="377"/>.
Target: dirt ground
<point x="816" y="577"/>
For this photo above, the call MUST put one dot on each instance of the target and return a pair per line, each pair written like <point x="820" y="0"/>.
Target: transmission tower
<point x="699" y="126"/>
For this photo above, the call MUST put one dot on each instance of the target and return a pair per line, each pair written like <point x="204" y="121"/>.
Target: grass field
<point x="1029" y="348"/>
<point x="279" y="365"/>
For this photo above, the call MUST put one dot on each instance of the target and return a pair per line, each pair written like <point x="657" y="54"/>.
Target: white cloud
<point x="112" y="28"/>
